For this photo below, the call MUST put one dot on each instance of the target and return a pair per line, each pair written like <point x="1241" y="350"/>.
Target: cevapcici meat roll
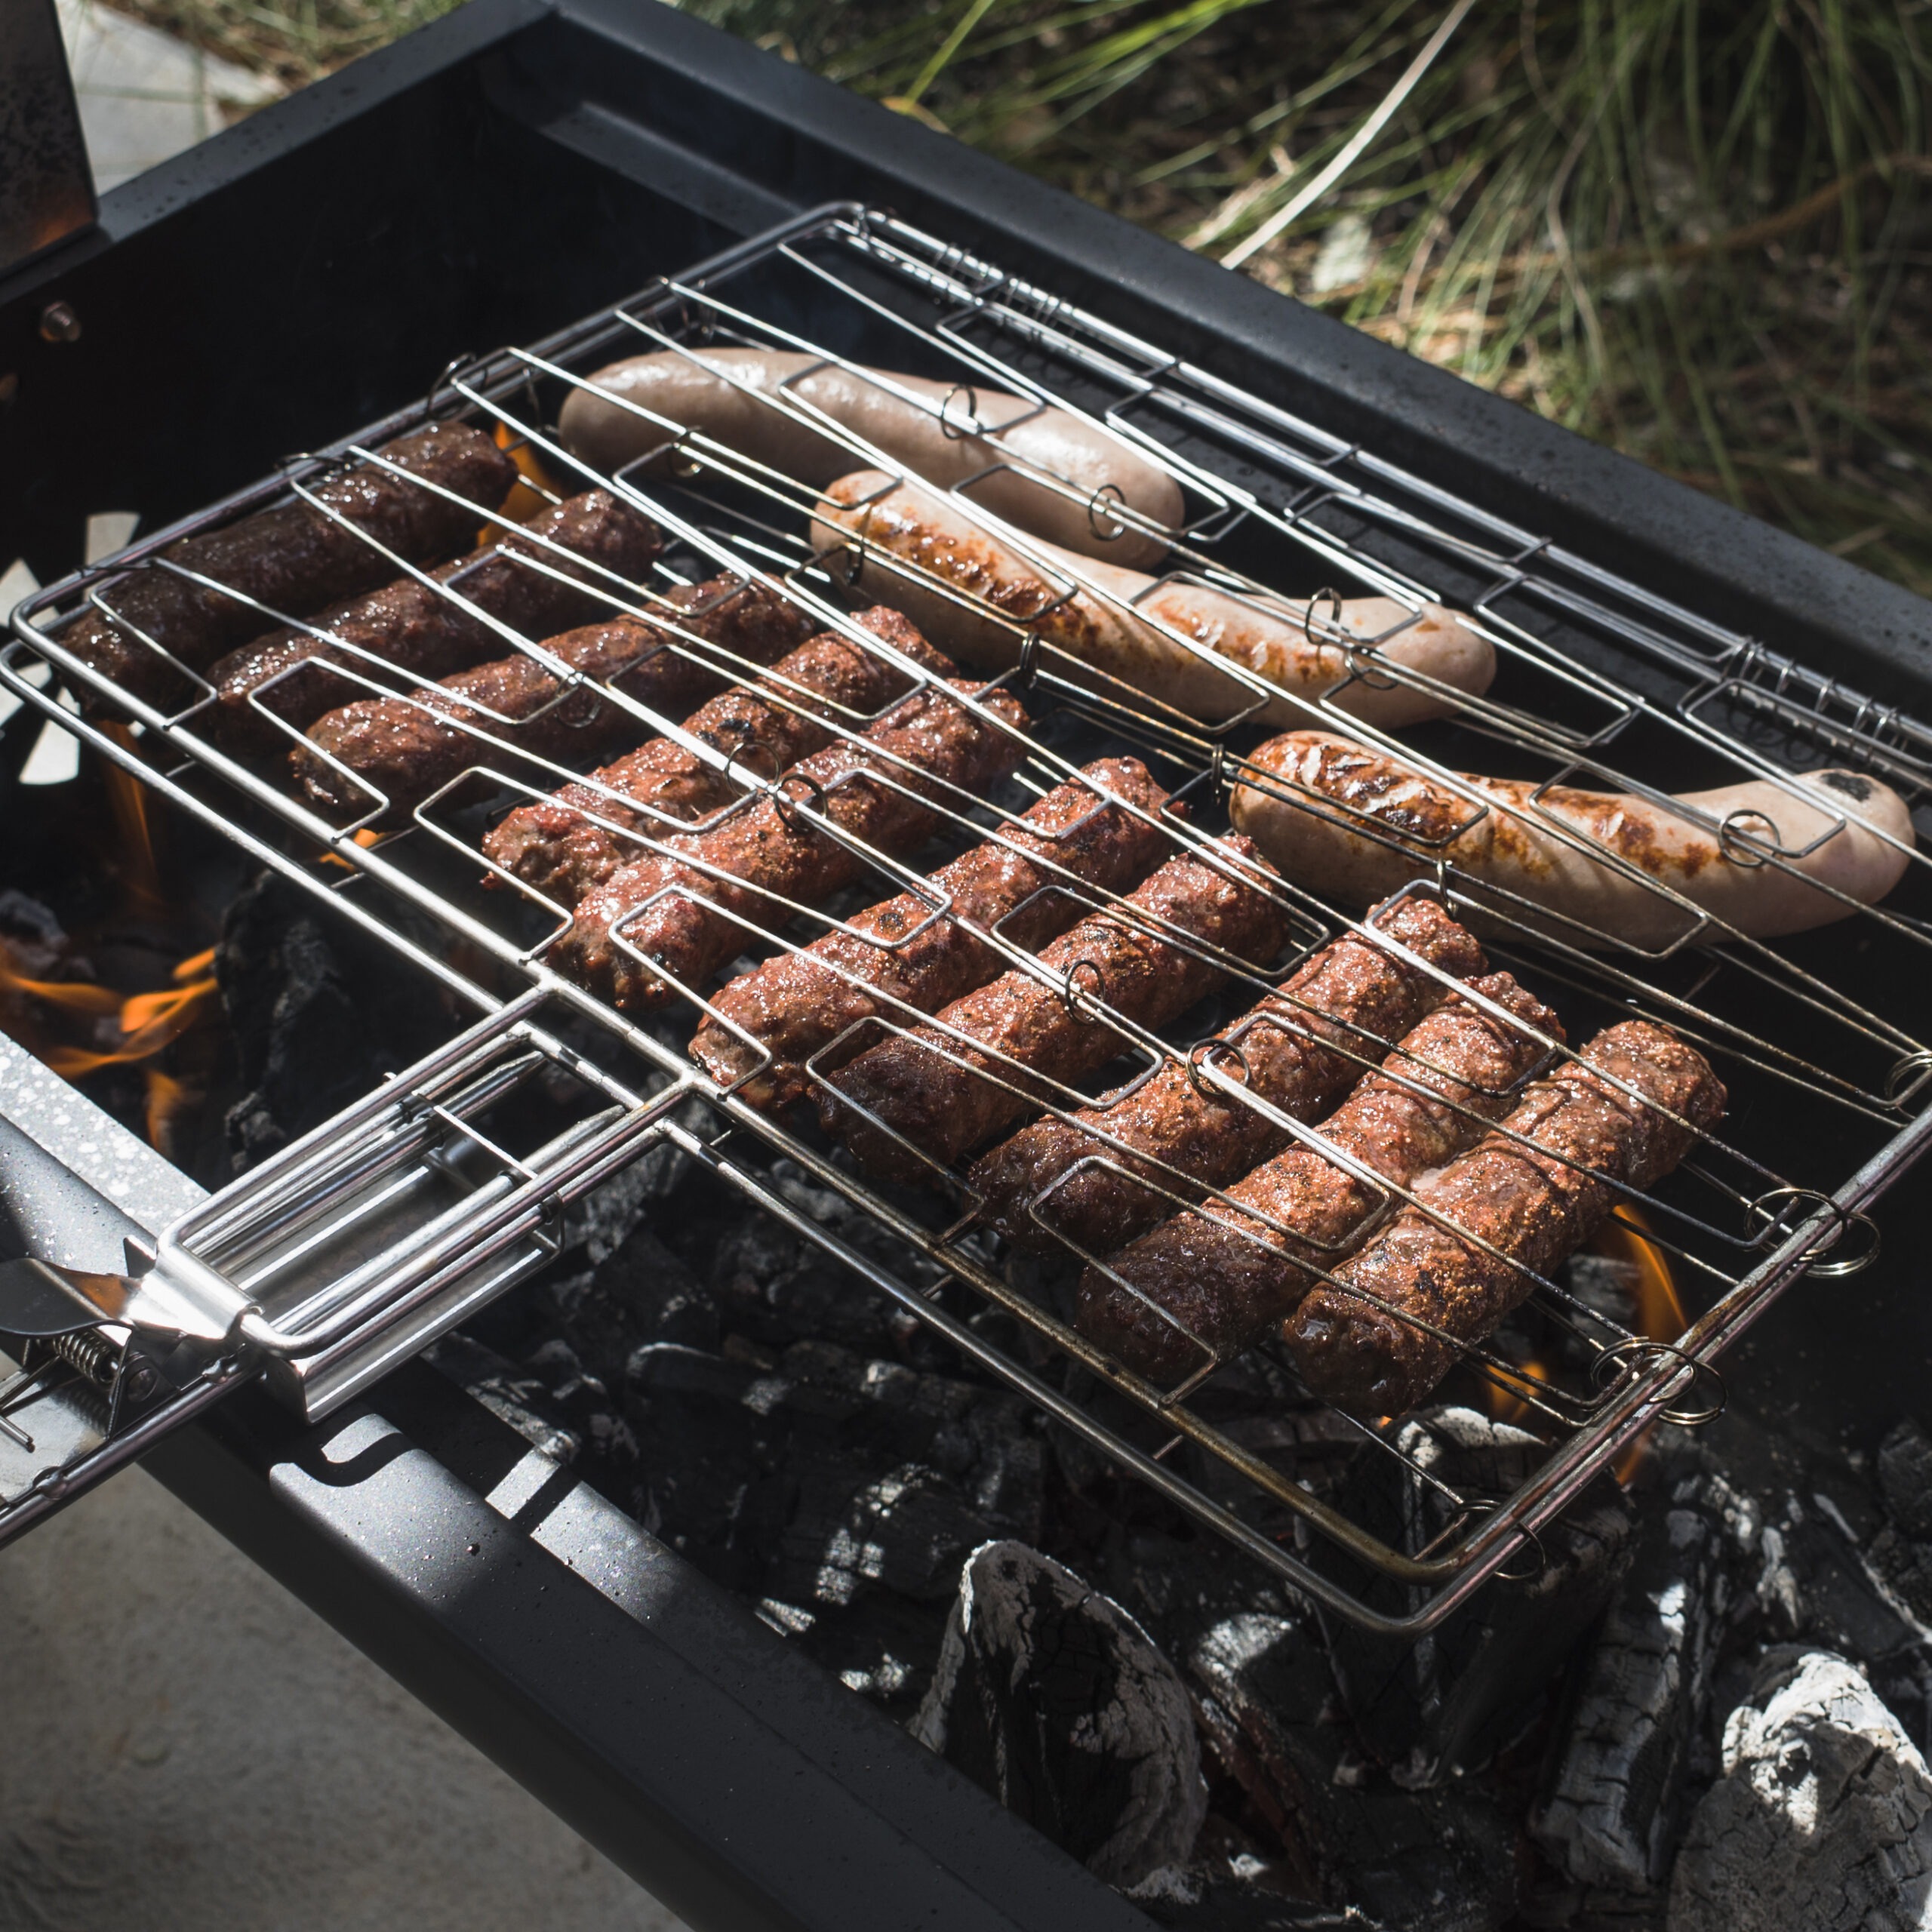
<point x="947" y="432"/>
<point x="674" y="906"/>
<point x="797" y="1004"/>
<point x="405" y="748"/>
<point x="912" y="547"/>
<point x="1532" y="1204"/>
<point x="567" y="845"/>
<point x="1008" y="1041"/>
<point x="1328" y="786"/>
<point x="413" y="627"/>
<point x="1352" y="996"/>
<point x="293" y="557"/>
<point x="1225" y="1277"/>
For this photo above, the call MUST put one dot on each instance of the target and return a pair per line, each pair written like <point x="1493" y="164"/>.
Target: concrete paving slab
<point x="190" y="1749"/>
<point x="145" y="95"/>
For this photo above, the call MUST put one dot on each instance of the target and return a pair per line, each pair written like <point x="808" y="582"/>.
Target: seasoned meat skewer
<point x="1034" y="1033"/>
<point x="559" y="845"/>
<point x="1352" y="994"/>
<point x="879" y="790"/>
<point x="414" y="627"/>
<point x="409" y="748"/>
<point x="1227" y="1277"/>
<point x="1532" y="1204"/>
<point x="292" y="557"/>
<point x="797" y="1004"/>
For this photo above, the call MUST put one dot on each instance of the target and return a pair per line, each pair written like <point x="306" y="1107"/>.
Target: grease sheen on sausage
<point x="569" y="844"/>
<point x="729" y="396"/>
<point x="1298" y="1051"/>
<point x="1531" y="1204"/>
<point x="1508" y="845"/>
<point x="908" y="546"/>
<point x="900" y="955"/>
<point x="1226" y="1275"/>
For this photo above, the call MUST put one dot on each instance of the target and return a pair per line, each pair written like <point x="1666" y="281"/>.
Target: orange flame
<point x="147" y="1023"/>
<point x="140" y="869"/>
<point x="526" y="497"/>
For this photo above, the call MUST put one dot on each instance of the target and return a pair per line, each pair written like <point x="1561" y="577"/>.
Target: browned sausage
<point x="413" y="627"/>
<point x="917" y="952"/>
<point x="406" y="749"/>
<point x="673" y="907"/>
<point x="949" y="1085"/>
<point x="1220" y="1278"/>
<point x="1532" y="1204"/>
<point x="1163" y="637"/>
<point x="292" y="557"/>
<point x="1349" y="822"/>
<point x="1352" y="995"/>
<point x="567" y="845"/>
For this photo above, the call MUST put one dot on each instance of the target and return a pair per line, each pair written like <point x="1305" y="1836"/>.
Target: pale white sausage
<point x="907" y="526"/>
<point x="924" y="428"/>
<point x="1324" y="780"/>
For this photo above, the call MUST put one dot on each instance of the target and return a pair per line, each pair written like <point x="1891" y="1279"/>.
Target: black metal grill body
<point x="483" y="182"/>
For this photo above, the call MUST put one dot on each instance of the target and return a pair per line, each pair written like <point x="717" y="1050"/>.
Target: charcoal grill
<point x="1639" y="636"/>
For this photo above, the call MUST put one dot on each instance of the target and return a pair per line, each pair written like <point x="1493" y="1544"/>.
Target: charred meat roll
<point x="948" y="1085"/>
<point x="1533" y="1191"/>
<point x="1299" y="1050"/>
<point x="915" y="953"/>
<point x="413" y="627"/>
<point x="407" y="748"/>
<point x="684" y="907"/>
<point x="567" y="845"/>
<point x="1217" y="1280"/>
<point x="294" y="557"/>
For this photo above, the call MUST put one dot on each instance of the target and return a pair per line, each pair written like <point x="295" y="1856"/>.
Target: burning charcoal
<point x="1822" y="1818"/>
<point x="909" y="1530"/>
<point x="1052" y="1697"/>
<point x="1446" y="1701"/>
<point x="320" y="1015"/>
<point x="1443" y="1860"/>
<point x="602" y="1221"/>
<point x="1612" y="1813"/>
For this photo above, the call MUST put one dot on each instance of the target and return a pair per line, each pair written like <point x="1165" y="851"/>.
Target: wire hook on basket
<point x="1634" y="1351"/>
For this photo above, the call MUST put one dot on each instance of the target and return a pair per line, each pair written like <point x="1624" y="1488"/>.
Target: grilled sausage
<point x="292" y="557"/>
<point x="673" y="906"/>
<point x="919" y="951"/>
<point x="1531" y="1204"/>
<point x="947" y="432"/>
<point x="406" y="749"/>
<point x="911" y="548"/>
<point x="413" y="627"/>
<point x="1352" y="994"/>
<point x="1219" y="1279"/>
<point x="1327" y="785"/>
<point x="567" y="845"/>
<point x="949" y="1086"/>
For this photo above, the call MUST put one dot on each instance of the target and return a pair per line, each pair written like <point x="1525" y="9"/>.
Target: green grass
<point x="1696" y="229"/>
<point x="297" y="42"/>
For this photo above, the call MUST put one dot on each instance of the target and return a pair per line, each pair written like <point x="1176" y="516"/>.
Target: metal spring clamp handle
<point x="361" y="1242"/>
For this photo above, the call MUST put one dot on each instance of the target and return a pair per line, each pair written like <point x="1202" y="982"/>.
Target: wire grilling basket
<point x="1601" y="683"/>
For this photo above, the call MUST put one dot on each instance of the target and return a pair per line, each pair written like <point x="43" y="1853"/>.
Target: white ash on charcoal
<point x="320" y="1013"/>
<point x="1446" y="1702"/>
<point x="1822" y="1819"/>
<point x="1050" y="1695"/>
<point x="1615" y="1801"/>
<point x="1342" y="1832"/>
